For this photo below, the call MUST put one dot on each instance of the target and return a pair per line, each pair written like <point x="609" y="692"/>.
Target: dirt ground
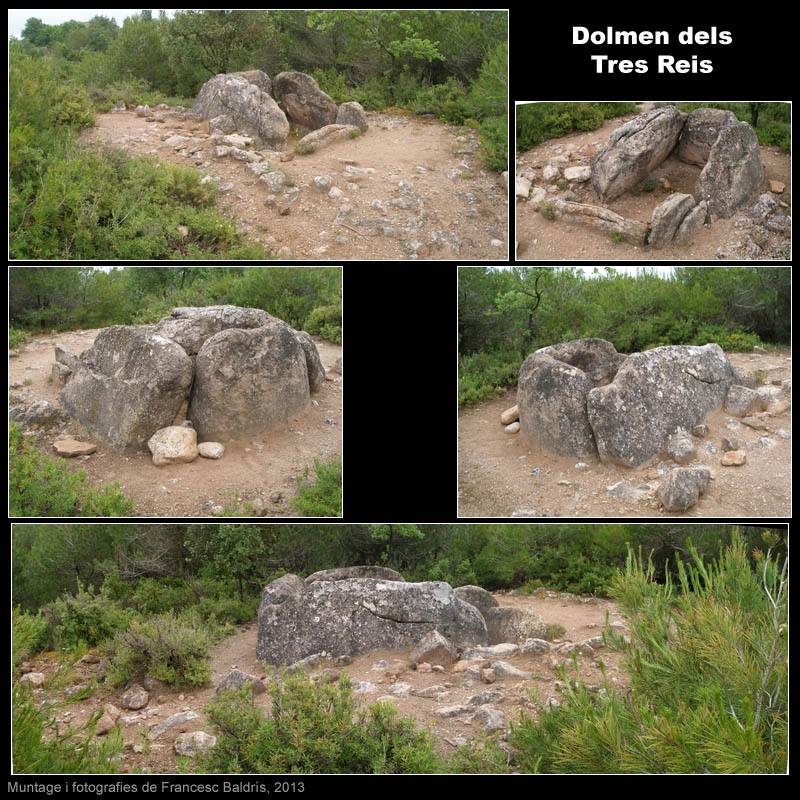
<point x="542" y="239"/>
<point x="371" y="674"/>
<point x="265" y="466"/>
<point x="500" y="474"/>
<point x="455" y="208"/>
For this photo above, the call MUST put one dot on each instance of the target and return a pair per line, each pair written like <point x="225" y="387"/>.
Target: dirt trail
<point x="500" y="474"/>
<point x="452" y="208"/>
<point x="264" y="466"/>
<point x="372" y="674"/>
<point x="542" y="239"/>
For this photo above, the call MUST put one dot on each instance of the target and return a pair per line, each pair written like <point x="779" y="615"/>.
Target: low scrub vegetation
<point x="709" y="678"/>
<point x="41" y="486"/>
<point x="538" y="122"/>
<point x="321" y="497"/>
<point x="63" y="298"/>
<point x="315" y="729"/>
<point x="506" y="314"/>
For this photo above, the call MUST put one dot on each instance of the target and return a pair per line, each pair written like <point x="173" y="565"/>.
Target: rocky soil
<point x="501" y="475"/>
<point x="261" y="469"/>
<point x="410" y="187"/>
<point x="728" y="239"/>
<point x="433" y="698"/>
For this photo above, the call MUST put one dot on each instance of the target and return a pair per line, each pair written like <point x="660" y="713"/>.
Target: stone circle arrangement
<point x="265" y="110"/>
<point x="726" y="149"/>
<point x="583" y="398"/>
<point x="216" y="373"/>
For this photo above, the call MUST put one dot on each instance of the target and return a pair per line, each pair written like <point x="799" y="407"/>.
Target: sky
<point x="17" y="17"/>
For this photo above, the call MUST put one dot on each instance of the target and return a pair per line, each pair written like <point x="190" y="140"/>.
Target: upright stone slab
<point x="703" y="127"/>
<point x="356" y="615"/>
<point x="247" y="381"/>
<point x="653" y="394"/>
<point x="552" y="389"/>
<point x="242" y="97"/>
<point x="634" y="150"/>
<point x="305" y="103"/>
<point x="733" y="172"/>
<point x="130" y="383"/>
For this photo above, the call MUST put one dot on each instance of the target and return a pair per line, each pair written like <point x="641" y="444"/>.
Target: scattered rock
<point x="135" y="698"/>
<point x="190" y="744"/>
<point x="734" y="458"/>
<point x="434" y="649"/>
<point x="211" y="449"/>
<point x="71" y="448"/>
<point x="235" y="679"/>
<point x="682" y="487"/>
<point x="510" y="415"/>
<point x="33" y="678"/>
<point x="181" y="718"/>
<point x="175" y="444"/>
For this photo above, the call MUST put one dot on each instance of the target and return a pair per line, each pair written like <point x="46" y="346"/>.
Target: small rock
<point x="135" y="698"/>
<point x="512" y="428"/>
<point x="509" y="415"/>
<point x="700" y="431"/>
<point x="33" y="678"/>
<point x="190" y="744"/>
<point x="488" y="675"/>
<point x="734" y="458"/>
<point x="211" y="449"/>
<point x="71" y="448"/>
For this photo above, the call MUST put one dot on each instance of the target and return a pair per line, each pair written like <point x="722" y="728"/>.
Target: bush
<point x="326" y="321"/>
<point x="83" y="619"/>
<point x="323" y="498"/>
<point x="709" y="674"/>
<point x="16" y="337"/>
<point x="169" y="648"/>
<point x="41" y="744"/>
<point x="486" y="375"/>
<point x="538" y="122"/>
<point x="28" y="635"/>
<point x="315" y="729"/>
<point x="40" y="486"/>
<point x="494" y="143"/>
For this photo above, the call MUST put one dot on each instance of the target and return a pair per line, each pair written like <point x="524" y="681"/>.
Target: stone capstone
<point x="354" y="615"/>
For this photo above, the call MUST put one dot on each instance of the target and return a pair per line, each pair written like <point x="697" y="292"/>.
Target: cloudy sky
<point x="17" y="17"/>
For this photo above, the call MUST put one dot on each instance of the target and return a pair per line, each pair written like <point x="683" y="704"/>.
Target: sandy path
<point x="580" y="617"/>
<point x="458" y="208"/>
<point x="261" y="466"/>
<point x="540" y="239"/>
<point x="500" y="474"/>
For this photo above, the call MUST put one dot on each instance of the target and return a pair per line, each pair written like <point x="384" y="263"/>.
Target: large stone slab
<point x="653" y="394"/>
<point x="243" y="99"/>
<point x="668" y="217"/>
<point x="552" y="389"/>
<point x="247" y="381"/>
<point x="630" y="230"/>
<point x="732" y="173"/>
<point x="356" y="615"/>
<point x="190" y="326"/>
<point x="305" y="103"/>
<point x="634" y="150"/>
<point x="702" y="128"/>
<point x="130" y="383"/>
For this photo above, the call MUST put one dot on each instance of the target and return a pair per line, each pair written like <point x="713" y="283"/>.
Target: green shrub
<point x="41" y="744"/>
<point x="169" y="648"/>
<point x="538" y="122"/>
<point x="494" y="143"/>
<point x="326" y="321"/>
<point x="83" y="619"/>
<point x="40" y="486"/>
<point x="16" y="337"/>
<point x="323" y="497"/>
<point x="28" y="635"/>
<point x="733" y="340"/>
<point x="709" y="677"/>
<point x="315" y="729"/>
<point x="486" y="375"/>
